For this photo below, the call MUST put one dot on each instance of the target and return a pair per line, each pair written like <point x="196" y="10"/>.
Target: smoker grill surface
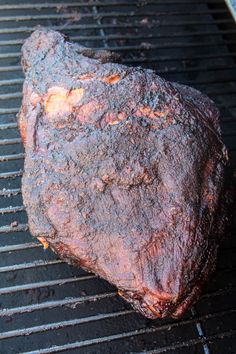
<point x="48" y="306"/>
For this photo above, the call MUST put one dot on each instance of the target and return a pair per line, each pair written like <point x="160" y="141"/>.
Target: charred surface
<point x="125" y="173"/>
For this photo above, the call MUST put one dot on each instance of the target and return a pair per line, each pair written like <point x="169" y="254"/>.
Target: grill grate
<point x="48" y="306"/>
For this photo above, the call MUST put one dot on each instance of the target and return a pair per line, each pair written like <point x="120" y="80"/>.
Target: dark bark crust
<point x="125" y="173"/>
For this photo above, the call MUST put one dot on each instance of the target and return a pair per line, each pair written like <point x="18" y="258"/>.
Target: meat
<point x="125" y="173"/>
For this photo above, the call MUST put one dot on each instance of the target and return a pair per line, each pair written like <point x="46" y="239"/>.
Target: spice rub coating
<point x="125" y="173"/>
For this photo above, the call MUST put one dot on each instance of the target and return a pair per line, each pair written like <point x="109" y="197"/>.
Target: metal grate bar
<point x="109" y="14"/>
<point x="98" y="3"/>
<point x="140" y="47"/>
<point x="10" y="68"/>
<point x="9" y="55"/>
<point x="21" y="247"/>
<point x="200" y="330"/>
<point x="59" y="303"/>
<point x="232" y="133"/>
<point x="55" y="303"/>
<point x="11" y="42"/>
<point x="196" y="69"/>
<point x="99" y="340"/>
<point x="227" y="269"/>
<point x="62" y="324"/>
<point x="113" y="26"/>
<point x="9" y="192"/>
<point x="157" y="59"/>
<point x="213" y="80"/>
<point x="7" y="96"/>
<point x="188" y="343"/>
<point x="173" y="58"/>
<point x="42" y="17"/>
<point x="227" y="105"/>
<point x="9" y="111"/>
<point x="8" y="228"/>
<point x="12" y="174"/>
<point x="10" y="141"/>
<point x="35" y="264"/>
<point x="12" y="157"/>
<point x="152" y="35"/>
<point x="220" y="93"/>
<point x="163" y="71"/>
<point x="11" y="82"/>
<point x="102" y="32"/>
<point x="43" y="284"/>
<point x="228" y="119"/>
<point x="4" y="126"/>
<point x="150" y="46"/>
<point x="12" y="210"/>
<point x="121" y="36"/>
<point x="220" y="292"/>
